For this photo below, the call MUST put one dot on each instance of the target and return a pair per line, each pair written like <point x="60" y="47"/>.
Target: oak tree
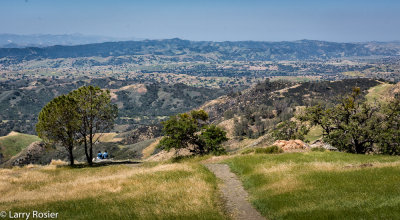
<point x="192" y="131"/>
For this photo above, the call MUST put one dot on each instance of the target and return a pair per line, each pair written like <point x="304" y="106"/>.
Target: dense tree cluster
<point x="261" y="109"/>
<point x="20" y="107"/>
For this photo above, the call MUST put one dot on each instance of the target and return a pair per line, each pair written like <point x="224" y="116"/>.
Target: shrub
<point x="318" y="149"/>
<point x="269" y="150"/>
<point x="260" y="151"/>
<point x="248" y="151"/>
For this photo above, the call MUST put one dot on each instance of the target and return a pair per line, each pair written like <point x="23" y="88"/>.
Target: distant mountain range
<point x="201" y="50"/>
<point x="45" y="40"/>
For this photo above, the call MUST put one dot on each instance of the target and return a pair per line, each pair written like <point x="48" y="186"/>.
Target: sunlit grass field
<point x="154" y="191"/>
<point x="321" y="185"/>
<point x="311" y="185"/>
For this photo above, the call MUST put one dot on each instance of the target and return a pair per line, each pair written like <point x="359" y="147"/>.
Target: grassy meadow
<point x="321" y="185"/>
<point x="308" y="185"/>
<point x="183" y="190"/>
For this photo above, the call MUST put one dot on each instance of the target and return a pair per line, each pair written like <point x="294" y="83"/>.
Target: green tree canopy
<point x="192" y="132"/>
<point x="59" y="122"/>
<point x="97" y="115"/>
<point x="289" y="130"/>
<point x="212" y="137"/>
<point x="353" y="125"/>
<point x="389" y="135"/>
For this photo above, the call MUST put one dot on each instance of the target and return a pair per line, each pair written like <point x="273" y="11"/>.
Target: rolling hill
<point x="138" y="103"/>
<point x="14" y="143"/>
<point x="251" y="113"/>
<point x="201" y="50"/>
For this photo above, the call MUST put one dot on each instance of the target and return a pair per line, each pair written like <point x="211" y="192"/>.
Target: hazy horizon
<point x="142" y="39"/>
<point x="223" y="20"/>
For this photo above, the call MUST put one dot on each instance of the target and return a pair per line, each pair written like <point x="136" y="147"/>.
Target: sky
<point x="211" y="20"/>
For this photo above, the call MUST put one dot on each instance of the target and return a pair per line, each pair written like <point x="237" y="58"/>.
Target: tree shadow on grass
<point x="105" y="163"/>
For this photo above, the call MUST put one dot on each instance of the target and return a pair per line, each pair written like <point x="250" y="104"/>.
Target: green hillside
<point x="379" y="92"/>
<point x="14" y="142"/>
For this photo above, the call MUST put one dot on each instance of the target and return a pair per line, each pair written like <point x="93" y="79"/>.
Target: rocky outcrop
<point x="321" y="144"/>
<point x="291" y="145"/>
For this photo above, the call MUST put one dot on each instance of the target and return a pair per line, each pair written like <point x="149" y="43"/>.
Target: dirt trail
<point x="233" y="193"/>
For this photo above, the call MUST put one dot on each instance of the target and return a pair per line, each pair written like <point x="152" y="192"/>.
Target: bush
<point x="260" y="150"/>
<point x="318" y="149"/>
<point x="269" y="150"/>
<point x="248" y="151"/>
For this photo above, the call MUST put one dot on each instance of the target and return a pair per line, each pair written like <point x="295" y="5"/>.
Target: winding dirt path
<point x="233" y="193"/>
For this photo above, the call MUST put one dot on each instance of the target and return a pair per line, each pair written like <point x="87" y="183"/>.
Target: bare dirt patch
<point x="233" y="193"/>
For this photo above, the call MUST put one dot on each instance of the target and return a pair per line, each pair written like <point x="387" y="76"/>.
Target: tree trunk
<point x="91" y="148"/>
<point x="89" y="160"/>
<point x="71" y="155"/>
<point x="359" y="147"/>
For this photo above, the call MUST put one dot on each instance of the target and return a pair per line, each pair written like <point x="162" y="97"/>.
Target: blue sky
<point x="217" y="20"/>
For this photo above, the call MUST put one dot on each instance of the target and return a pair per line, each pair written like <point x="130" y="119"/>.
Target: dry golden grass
<point x="354" y="73"/>
<point x="228" y="126"/>
<point x="12" y="133"/>
<point x="217" y="159"/>
<point x="58" y="163"/>
<point x="219" y="100"/>
<point x="150" y="149"/>
<point x="286" y="184"/>
<point x="275" y="169"/>
<point x="107" y="137"/>
<point x="138" y="88"/>
<point x="285" y="90"/>
<point x="90" y="184"/>
<point x="171" y="189"/>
